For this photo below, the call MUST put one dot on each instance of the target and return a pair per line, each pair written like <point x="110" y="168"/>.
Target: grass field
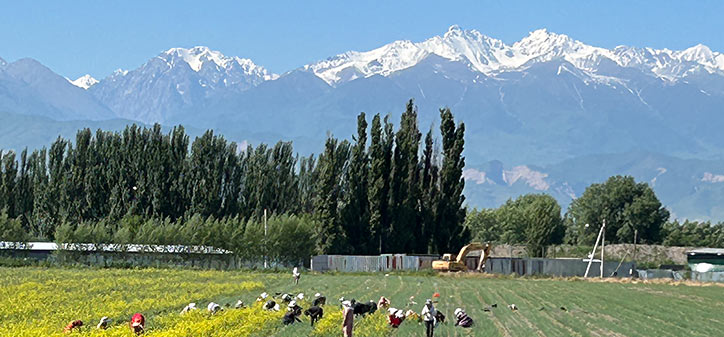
<point x="39" y="302"/>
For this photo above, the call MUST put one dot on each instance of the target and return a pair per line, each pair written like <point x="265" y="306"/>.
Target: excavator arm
<point x="467" y="249"/>
<point x="448" y="264"/>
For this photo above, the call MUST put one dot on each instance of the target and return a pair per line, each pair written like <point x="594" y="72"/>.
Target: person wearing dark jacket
<point x="315" y="313"/>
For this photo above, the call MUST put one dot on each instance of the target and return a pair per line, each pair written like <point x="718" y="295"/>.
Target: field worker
<point x="138" y="323"/>
<point x="103" y="324"/>
<point x="348" y="319"/>
<point x="213" y="308"/>
<point x="291" y="316"/>
<point x="262" y="297"/>
<point x="428" y="316"/>
<point x="239" y="304"/>
<point x="294" y="307"/>
<point x="73" y="326"/>
<point x="189" y="307"/>
<point x="286" y="298"/>
<point x="411" y="314"/>
<point x="315" y="313"/>
<point x="383" y="303"/>
<point x="319" y="300"/>
<point x="462" y="318"/>
<point x="395" y="317"/>
<point x="296" y="275"/>
<point x="271" y="306"/>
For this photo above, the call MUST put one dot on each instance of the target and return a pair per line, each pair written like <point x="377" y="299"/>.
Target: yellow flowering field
<point x="40" y="302"/>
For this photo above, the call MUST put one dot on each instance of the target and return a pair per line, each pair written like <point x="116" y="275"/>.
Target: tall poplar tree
<point x="451" y="234"/>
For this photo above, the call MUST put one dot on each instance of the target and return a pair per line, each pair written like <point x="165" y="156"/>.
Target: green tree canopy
<point x="625" y="205"/>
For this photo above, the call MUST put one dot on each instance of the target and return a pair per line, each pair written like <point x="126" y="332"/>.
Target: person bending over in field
<point x="270" y="305"/>
<point x="395" y="317"/>
<point x="412" y="315"/>
<point x="73" y="326"/>
<point x="383" y="303"/>
<point x="315" y="313"/>
<point x="190" y="307"/>
<point x="292" y="315"/>
<point x="103" y="324"/>
<point x="138" y="323"/>
<point x="463" y="320"/>
<point x="319" y="300"/>
<point x="213" y="308"/>
<point x="293" y="306"/>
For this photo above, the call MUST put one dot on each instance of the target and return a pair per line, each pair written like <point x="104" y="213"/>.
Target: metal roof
<point x="717" y="251"/>
<point x="130" y="248"/>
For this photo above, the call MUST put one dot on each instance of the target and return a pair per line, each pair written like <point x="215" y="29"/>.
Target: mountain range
<point x="547" y="113"/>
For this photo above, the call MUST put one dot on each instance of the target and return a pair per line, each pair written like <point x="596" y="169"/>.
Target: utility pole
<point x="636" y="234"/>
<point x="265" y="228"/>
<point x="593" y="252"/>
<point x="603" y="244"/>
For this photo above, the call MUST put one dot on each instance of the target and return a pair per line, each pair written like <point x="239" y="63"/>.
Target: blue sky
<point x="97" y="37"/>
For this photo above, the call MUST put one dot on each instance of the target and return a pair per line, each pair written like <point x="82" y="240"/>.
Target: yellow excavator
<point x="451" y="262"/>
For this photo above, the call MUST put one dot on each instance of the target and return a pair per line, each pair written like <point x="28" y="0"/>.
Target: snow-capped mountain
<point x="532" y="104"/>
<point x="2" y="63"/>
<point x="177" y="81"/>
<point x="490" y="56"/>
<point x="86" y="81"/>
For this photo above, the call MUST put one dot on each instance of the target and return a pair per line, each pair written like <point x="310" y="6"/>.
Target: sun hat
<point x="458" y="311"/>
<point x="300" y="296"/>
<point x="292" y="304"/>
<point x="347" y="303"/>
<point x="317" y="295"/>
<point x="213" y="306"/>
<point x="264" y="295"/>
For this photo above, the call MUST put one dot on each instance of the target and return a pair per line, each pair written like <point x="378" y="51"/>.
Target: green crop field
<point x="40" y="301"/>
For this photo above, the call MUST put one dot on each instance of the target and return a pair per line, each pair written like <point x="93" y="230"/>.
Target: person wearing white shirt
<point x="428" y="316"/>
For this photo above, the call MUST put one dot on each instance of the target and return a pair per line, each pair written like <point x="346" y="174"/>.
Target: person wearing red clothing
<point x="138" y="322"/>
<point x="395" y="317"/>
<point x="73" y="326"/>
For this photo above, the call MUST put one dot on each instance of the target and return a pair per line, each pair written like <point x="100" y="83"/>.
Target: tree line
<point x="387" y="190"/>
<point x="631" y="211"/>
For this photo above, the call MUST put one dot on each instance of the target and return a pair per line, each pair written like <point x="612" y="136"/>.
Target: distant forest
<point x="389" y="190"/>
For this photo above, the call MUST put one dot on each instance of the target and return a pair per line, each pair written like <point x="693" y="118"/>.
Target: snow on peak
<point x="2" y="63"/>
<point x="491" y="56"/>
<point x="453" y="30"/>
<point x="197" y="56"/>
<point x="86" y="81"/>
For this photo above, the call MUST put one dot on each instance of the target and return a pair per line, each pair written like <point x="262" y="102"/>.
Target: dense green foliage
<point x="693" y="234"/>
<point x="532" y="219"/>
<point x="145" y="186"/>
<point x="625" y="205"/>
<point x="535" y="221"/>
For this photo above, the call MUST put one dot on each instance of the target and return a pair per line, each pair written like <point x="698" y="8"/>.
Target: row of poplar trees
<point x="391" y="192"/>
